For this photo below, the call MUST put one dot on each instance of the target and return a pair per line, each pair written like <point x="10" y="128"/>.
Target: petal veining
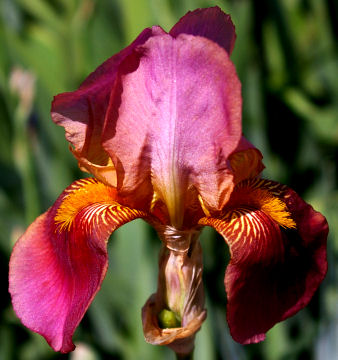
<point x="278" y="256"/>
<point x="58" y="265"/>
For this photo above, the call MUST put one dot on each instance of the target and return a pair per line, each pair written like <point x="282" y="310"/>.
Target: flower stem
<point x="185" y="356"/>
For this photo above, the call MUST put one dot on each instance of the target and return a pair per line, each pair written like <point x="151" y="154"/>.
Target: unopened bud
<point x="176" y="312"/>
<point x="168" y="319"/>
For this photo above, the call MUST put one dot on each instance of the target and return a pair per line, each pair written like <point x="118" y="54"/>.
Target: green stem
<point x="23" y="159"/>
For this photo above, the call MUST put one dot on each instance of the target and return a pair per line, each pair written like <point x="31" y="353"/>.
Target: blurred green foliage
<point x="286" y="58"/>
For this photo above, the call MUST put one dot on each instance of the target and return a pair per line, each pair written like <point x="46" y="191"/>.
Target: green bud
<point x="167" y="319"/>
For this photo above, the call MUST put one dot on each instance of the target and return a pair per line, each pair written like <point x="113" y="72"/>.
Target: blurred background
<point x="286" y="58"/>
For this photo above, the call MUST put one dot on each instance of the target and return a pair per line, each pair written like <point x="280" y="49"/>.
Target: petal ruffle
<point x="82" y="112"/>
<point x="58" y="265"/>
<point x="179" y="117"/>
<point x="211" y="23"/>
<point x="273" y="272"/>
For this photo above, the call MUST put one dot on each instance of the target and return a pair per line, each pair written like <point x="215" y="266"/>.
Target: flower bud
<point x="175" y="313"/>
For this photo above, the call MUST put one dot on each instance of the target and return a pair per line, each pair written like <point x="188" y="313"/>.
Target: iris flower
<point x="158" y="125"/>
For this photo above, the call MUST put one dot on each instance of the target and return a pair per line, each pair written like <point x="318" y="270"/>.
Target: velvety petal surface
<point x="211" y="23"/>
<point x="178" y="119"/>
<point x="275" y="268"/>
<point x="82" y="112"/>
<point x="58" y="265"/>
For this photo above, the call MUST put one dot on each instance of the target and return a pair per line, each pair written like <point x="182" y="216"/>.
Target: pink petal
<point x="56" y="270"/>
<point x="273" y="272"/>
<point x="211" y="23"/>
<point x="82" y="112"/>
<point x="179" y="118"/>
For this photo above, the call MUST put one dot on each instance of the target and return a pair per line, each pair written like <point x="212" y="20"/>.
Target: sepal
<point x="278" y="256"/>
<point x="58" y="265"/>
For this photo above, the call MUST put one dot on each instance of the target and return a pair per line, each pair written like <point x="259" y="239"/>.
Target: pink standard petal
<point x="179" y="118"/>
<point x="211" y="23"/>
<point x="82" y="112"/>
<point x="54" y="272"/>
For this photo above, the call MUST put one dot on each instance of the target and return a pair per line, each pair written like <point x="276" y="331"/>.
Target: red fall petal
<point x="274" y="271"/>
<point x="57" y="266"/>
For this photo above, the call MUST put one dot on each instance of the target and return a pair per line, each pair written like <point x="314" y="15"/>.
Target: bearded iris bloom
<point x="159" y="127"/>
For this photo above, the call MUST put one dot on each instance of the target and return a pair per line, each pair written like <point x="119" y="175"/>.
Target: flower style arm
<point x="246" y="161"/>
<point x="278" y="256"/>
<point x="57" y="266"/>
